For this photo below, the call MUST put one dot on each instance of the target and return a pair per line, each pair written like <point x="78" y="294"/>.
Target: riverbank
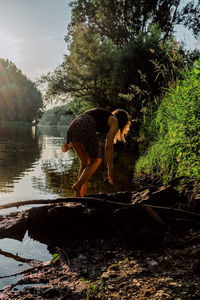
<point x="147" y="262"/>
<point x="101" y="269"/>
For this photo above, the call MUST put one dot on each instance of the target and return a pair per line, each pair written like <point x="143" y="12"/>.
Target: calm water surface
<point x="32" y="166"/>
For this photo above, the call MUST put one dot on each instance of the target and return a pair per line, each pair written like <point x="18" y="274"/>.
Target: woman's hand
<point x="65" y="147"/>
<point x="110" y="177"/>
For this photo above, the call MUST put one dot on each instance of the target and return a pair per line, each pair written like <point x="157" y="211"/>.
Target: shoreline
<point x="107" y="266"/>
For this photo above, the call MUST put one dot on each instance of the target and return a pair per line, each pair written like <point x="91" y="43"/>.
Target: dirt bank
<point x="147" y="256"/>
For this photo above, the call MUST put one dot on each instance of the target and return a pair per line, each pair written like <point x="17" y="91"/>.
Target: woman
<point x="82" y="136"/>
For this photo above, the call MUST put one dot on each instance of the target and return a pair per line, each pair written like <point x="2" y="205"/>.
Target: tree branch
<point x="85" y="200"/>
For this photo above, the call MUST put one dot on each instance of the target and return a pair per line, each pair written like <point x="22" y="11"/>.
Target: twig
<point x="17" y="257"/>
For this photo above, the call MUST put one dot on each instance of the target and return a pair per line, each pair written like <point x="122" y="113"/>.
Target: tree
<point x="85" y="73"/>
<point x="20" y="100"/>
<point x="120" y="20"/>
<point x="114" y="46"/>
<point x="100" y="72"/>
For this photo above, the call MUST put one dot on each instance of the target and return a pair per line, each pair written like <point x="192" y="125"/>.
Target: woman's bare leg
<point x="87" y="169"/>
<point x="84" y="161"/>
<point x="80" y="185"/>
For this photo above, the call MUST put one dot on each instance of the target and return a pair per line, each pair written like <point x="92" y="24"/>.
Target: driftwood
<point x="85" y="200"/>
<point x="136" y="217"/>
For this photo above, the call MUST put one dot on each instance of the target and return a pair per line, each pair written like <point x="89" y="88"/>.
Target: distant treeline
<point x="64" y="114"/>
<point x="20" y="100"/>
<point x="57" y="116"/>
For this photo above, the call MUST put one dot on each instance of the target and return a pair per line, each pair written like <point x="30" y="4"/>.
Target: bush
<point x="175" y="132"/>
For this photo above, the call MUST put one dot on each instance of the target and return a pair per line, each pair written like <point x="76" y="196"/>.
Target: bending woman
<point x="83" y="137"/>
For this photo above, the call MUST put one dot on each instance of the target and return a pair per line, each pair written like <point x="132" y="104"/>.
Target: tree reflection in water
<point x="32" y="165"/>
<point x="18" y="151"/>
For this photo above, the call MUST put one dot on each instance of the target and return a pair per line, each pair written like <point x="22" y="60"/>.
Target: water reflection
<point x="32" y="166"/>
<point x="18" y="151"/>
<point x="15" y="257"/>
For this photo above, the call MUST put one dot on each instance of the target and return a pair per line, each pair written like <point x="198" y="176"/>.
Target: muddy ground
<point x="112" y="268"/>
<point x="103" y="269"/>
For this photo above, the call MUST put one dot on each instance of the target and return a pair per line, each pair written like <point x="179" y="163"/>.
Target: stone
<point x="105" y="275"/>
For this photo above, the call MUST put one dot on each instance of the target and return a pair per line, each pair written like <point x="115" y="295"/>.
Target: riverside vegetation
<point x="174" y="132"/>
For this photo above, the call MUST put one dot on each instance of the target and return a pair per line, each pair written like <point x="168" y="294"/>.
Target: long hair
<point x="124" y="124"/>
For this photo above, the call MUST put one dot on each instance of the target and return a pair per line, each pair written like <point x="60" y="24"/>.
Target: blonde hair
<point x="124" y="124"/>
<point x="120" y="135"/>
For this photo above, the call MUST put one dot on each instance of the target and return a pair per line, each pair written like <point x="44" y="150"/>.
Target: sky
<point x="32" y="34"/>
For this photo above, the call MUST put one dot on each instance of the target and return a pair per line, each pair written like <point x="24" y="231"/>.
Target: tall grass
<point x="175" y="132"/>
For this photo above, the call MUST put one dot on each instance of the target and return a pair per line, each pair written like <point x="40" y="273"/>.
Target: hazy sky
<point x="32" y="34"/>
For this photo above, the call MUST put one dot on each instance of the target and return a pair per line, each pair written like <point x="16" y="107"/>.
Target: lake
<point x="32" y="166"/>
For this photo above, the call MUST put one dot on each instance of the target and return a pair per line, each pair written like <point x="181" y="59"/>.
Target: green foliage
<point x="55" y="258"/>
<point x="20" y="100"/>
<point x="92" y="290"/>
<point x="175" y="130"/>
<point x="120" y="21"/>
<point x="85" y="73"/>
<point x="145" y="67"/>
<point x="108" y="76"/>
<point x="121" y="53"/>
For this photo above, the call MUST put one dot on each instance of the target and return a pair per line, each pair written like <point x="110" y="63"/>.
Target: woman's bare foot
<point x="77" y="190"/>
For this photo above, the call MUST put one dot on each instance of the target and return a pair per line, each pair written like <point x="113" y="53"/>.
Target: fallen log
<point x="134" y="214"/>
<point x="85" y="200"/>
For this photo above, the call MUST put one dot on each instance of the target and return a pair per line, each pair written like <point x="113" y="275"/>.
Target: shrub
<point x="175" y="131"/>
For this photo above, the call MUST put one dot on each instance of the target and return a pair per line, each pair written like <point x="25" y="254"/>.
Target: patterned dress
<point x="86" y="129"/>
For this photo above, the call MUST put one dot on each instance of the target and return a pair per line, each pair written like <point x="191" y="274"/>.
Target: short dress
<point x="86" y="129"/>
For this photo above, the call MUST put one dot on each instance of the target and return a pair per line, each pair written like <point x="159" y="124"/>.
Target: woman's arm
<point x="113" y="129"/>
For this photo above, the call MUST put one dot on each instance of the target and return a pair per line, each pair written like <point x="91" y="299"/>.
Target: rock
<point x="152" y="263"/>
<point x="110" y="287"/>
<point x="13" y="226"/>
<point x="29" y="297"/>
<point x="105" y="275"/>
